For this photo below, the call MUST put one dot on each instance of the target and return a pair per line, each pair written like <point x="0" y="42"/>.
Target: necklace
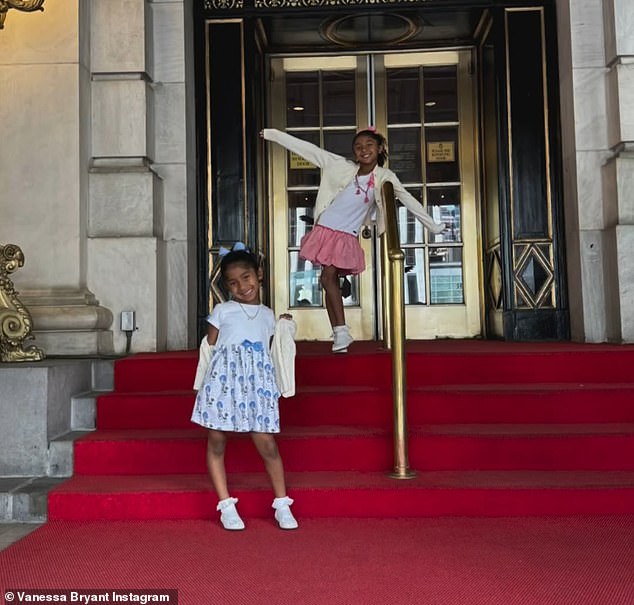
<point x="365" y="190"/>
<point x="249" y="317"/>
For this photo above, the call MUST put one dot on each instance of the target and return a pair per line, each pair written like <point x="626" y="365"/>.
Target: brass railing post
<point x="394" y="319"/>
<point x="386" y="297"/>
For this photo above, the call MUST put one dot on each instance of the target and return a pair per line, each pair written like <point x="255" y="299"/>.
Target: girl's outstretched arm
<point x="314" y="154"/>
<point x="414" y="206"/>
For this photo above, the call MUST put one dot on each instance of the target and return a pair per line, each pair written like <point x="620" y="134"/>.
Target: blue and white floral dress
<point x="239" y="392"/>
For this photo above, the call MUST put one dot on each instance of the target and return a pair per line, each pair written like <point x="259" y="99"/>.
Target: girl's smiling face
<point x="243" y="282"/>
<point x="366" y="152"/>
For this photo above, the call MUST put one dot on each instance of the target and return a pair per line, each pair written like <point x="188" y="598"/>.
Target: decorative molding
<point x="15" y="321"/>
<point x="219" y="5"/>
<point x="223" y="4"/>
<point x="27" y="6"/>
<point x="533" y="275"/>
<point x="494" y="277"/>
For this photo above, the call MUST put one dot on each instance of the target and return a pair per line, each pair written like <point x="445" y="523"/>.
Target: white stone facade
<point x="596" y="62"/>
<point x="93" y="165"/>
<point x="97" y="169"/>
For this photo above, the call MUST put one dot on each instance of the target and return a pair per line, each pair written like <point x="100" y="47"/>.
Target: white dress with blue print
<point x="239" y="392"/>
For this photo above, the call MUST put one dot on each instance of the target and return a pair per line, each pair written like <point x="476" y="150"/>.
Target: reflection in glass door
<point x="423" y="102"/>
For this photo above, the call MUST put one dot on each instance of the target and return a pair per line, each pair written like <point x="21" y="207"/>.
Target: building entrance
<point x="424" y="103"/>
<point x="468" y="102"/>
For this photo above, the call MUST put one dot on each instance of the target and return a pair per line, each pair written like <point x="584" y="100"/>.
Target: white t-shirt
<point x="237" y="322"/>
<point x="349" y="209"/>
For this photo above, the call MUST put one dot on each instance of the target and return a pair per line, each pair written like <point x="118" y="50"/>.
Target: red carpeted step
<point x="428" y="363"/>
<point x="582" y="364"/>
<point x="365" y="366"/>
<point x="172" y="371"/>
<point x="349" y="494"/>
<point x="148" y="372"/>
<point x="523" y="447"/>
<point x="521" y="403"/>
<point x="355" y="406"/>
<point x="366" y="406"/>
<point x="340" y="405"/>
<point x="460" y="447"/>
<point x="157" y="410"/>
<point x="493" y="428"/>
<point x="303" y="448"/>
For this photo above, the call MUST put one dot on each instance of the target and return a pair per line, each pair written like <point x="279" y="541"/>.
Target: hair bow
<point x="237" y="246"/>
<point x="368" y="128"/>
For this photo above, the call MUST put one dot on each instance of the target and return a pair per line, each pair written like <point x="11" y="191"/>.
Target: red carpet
<point x="451" y="561"/>
<point x="497" y="429"/>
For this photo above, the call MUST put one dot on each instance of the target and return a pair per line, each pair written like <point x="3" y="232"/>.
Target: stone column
<point x="137" y="214"/>
<point x="587" y="149"/>
<point x="618" y="173"/>
<point x="42" y="191"/>
<point x="172" y="136"/>
<point x="124" y="193"/>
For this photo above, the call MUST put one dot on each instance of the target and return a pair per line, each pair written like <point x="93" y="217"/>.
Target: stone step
<point x="25" y="499"/>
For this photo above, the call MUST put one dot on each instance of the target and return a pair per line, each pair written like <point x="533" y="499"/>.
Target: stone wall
<point x="96" y="189"/>
<point x="137" y="215"/>
<point x="597" y="95"/>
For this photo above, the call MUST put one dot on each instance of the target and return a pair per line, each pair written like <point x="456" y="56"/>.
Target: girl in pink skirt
<point x="349" y="196"/>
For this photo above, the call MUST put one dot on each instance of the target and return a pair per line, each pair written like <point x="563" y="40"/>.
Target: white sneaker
<point x="283" y="514"/>
<point x="229" y="516"/>
<point x="342" y="338"/>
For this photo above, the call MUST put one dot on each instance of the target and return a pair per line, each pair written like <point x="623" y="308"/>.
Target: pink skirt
<point x="324" y="246"/>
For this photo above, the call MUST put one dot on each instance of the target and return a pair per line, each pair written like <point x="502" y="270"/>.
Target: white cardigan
<point x="336" y="174"/>
<point x="282" y="353"/>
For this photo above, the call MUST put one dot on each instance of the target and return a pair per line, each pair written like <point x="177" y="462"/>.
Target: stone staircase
<point x="45" y="407"/>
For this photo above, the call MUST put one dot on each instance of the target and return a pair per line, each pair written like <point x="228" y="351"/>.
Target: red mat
<point x="536" y="561"/>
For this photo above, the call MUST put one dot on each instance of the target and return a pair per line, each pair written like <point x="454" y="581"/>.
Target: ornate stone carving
<point x="218" y="5"/>
<point x="15" y="320"/>
<point x="223" y="4"/>
<point x="28" y="6"/>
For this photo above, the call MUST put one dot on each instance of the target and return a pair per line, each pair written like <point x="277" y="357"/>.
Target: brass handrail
<point x="394" y="330"/>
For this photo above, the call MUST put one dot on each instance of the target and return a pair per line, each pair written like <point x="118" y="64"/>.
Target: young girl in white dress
<point x="237" y="389"/>
<point x="350" y="195"/>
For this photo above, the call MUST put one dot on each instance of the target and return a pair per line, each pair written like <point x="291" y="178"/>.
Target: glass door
<point x="423" y="102"/>
<point x="426" y="105"/>
<point x="321" y="100"/>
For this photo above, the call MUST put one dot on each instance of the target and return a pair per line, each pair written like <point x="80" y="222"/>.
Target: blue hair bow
<point x="237" y="246"/>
